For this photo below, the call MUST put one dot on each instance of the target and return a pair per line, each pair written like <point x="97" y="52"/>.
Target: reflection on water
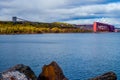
<point x="81" y="56"/>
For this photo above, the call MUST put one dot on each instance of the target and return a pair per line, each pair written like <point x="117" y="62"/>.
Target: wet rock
<point x="52" y="72"/>
<point x="106" y="76"/>
<point x="19" y="72"/>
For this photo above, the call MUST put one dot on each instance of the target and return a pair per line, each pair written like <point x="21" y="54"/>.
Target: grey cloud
<point x="59" y="10"/>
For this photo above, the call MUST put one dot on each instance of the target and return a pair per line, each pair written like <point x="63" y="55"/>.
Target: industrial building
<point x="97" y="27"/>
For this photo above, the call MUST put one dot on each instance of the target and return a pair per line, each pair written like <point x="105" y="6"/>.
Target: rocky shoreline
<point x="49" y="72"/>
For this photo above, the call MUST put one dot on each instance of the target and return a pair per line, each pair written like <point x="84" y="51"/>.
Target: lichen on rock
<point x="14" y="75"/>
<point x="18" y="72"/>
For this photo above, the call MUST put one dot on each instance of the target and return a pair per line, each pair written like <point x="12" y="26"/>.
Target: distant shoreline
<point x="38" y="28"/>
<point x="11" y="28"/>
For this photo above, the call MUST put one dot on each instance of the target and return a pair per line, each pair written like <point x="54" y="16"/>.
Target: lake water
<point x="80" y="55"/>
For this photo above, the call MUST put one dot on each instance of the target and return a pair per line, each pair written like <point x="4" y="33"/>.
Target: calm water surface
<point x="81" y="56"/>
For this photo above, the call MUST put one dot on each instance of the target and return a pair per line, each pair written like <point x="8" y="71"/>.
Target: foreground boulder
<point x="18" y="72"/>
<point x="106" y="76"/>
<point x="49" y="72"/>
<point x="52" y="72"/>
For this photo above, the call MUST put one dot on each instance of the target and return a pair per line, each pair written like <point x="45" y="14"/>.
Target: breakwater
<point x="49" y="72"/>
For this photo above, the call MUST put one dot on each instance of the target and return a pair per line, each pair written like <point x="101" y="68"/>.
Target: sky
<point x="69" y="11"/>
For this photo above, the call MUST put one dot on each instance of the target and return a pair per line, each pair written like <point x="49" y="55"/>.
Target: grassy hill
<point x="8" y="27"/>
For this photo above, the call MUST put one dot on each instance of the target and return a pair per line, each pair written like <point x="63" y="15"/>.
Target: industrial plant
<point x="98" y="27"/>
<point x="95" y="27"/>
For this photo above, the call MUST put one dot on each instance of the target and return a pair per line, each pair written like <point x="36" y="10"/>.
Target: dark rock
<point x="52" y="72"/>
<point x="19" y="72"/>
<point x="0" y="75"/>
<point x="106" y="76"/>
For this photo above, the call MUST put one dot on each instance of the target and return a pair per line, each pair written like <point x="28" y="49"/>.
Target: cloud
<point x="85" y="11"/>
<point x="93" y="13"/>
<point x="90" y="21"/>
<point x="26" y="8"/>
